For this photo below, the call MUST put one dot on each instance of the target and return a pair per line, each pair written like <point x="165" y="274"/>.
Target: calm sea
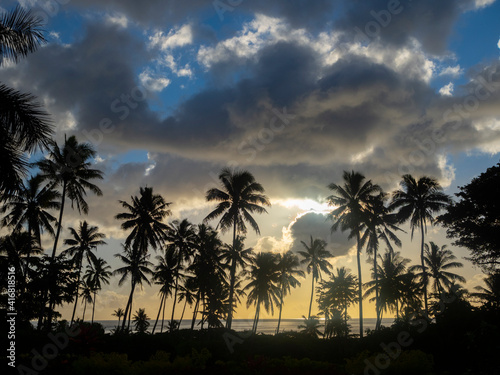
<point x="266" y="326"/>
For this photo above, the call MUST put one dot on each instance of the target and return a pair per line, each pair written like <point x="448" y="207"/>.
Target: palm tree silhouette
<point x="263" y="285"/>
<point x="98" y="273"/>
<point x="69" y="167"/>
<point x="137" y="266"/>
<point x="491" y="293"/>
<point x="379" y="224"/>
<point x="316" y="258"/>
<point x="392" y="269"/>
<point x="119" y="314"/>
<point x="86" y="294"/>
<point x="351" y="202"/>
<point x="84" y="241"/>
<point x="144" y="220"/>
<point x="310" y="326"/>
<point x="29" y="207"/>
<point x="439" y="261"/>
<point x="180" y="237"/>
<point x="24" y="126"/>
<point x="164" y="275"/>
<point x="240" y="197"/>
<point x="141" y="321"/>
<point x="287" y="264"/>
<point x="418" y="201"/>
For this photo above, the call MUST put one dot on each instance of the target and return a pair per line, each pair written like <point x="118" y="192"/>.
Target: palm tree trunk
<point x="256" y="319"/>
<point x="195" y="312"/>
<point x="281" y="307"/>
<point x="182" y="315"/>
<point x="175" y="293"/>
<point x="163" y="315"/>
<point x="129" y="306"/>
<point x="360" y="284"/>
<point x="424" y="272"/>
<point x="93" y="306"/>
<point x="312" y="294"/>
<point x="84" y="308"/>
<point x="76" y="295"/>
<point x="231" y="287"/>
<point x="129" y="316"/>
<point x="159" y="311"/>
<point x="377" y="297"/>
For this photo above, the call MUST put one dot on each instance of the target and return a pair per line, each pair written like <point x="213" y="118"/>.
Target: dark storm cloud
<point x="317" y="226"/>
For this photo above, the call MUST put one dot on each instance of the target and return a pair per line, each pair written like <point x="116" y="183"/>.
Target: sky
<point x="296" y="92"/>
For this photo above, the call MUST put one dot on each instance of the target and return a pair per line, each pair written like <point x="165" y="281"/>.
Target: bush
<point x="409" y="362"/>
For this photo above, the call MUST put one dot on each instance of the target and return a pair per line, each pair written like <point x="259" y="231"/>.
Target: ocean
<point x="266" y="326"/>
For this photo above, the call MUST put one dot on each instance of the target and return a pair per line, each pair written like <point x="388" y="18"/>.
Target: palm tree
<point x="350" y="202"/>
<point x="84" y="241"/>
<point x="316" y="258"/>
<point x="70" y="168"/>
<point x="310" y="327"/>
<point x="24" y="127"/>
<point x="418" y="201"/>
<point x="141" y="321"/>
<point x="98" y="273"/>
<point x="86" y="294"/>
<point x="118" y="313"/>
<point x="491" y="293"/>
<point x="263" y="285"/>
<point x="392" y="269"/>
<point x="144" y="220"/>
<point x="164" y="275"/>
<point x="240" y="197"/>
<point x="378" y="224"/>
<point x="288" y="264"/>
<point x="438" y="262"/>
<point x="137" y="266"/>
<point x="181" y="237"/>
<point x="29" y="207"/>
<point x="339" y="292"/>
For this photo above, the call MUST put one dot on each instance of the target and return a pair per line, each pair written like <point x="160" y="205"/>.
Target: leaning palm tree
<point x="417" y="202"/>
<point x="379" y="224"/>
<point x="70" y="168"/>
<point x="85" y="240"/>
<point x="315" y="257"/>
<point x="144" y="218"/>
<point x="288" y="272"/>
<point x="119" y="314"/>
<point x="350" y="202"/>
<point x="263" y="285"/>
<point x="439" y="261"/>
<point x="180" y="237"/>
<point x="24" y="126"/>
<point x="29" y="207"/>
<point x="239" y="197"/>
<point x="138" y="267"/>
<point x="98" y="273"/>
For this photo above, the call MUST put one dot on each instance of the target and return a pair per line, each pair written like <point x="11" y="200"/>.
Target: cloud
<point x="447" y="90"/>
<point x="453" y="71"/>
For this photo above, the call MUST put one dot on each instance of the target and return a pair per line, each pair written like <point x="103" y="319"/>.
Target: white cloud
<point x="447" y="171"/>
<point x="177" y="37"/>
<point x="498" y="44"/>
<point x="483" y="3"/>
<point x="117" y="19"/>
<point x="447" y="90"/>
<point x="153" y="83"/>
<point x="453" y="71"/>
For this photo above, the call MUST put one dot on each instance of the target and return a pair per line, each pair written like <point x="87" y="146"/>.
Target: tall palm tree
<point x="144" y="218"/>
<point x="315" y="257"/>
<point x="263" y="285"/>
<point x="24" y="126"/>
<point x="98" y="273"/>
<point x="438" y="261"/>
<point x="418" y="201"/>
<point x="119" y="314"/>
<point x="29" y="207"/>
<point x="392" y="269"/>
<point x="350" y="202"/>
<point x="180" y="237"/>
<point x="70" y="168"/>
<point x="288" y="272"/>
<point x="84" y="241"/>
<point x="378" y="224"/>
<point x="239" y="197"/>
<point x="138" y="267"/>
<point x="164" y="275"/>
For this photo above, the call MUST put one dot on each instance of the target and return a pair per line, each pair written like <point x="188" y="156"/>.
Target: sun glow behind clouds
<point x="304" y="205"/>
